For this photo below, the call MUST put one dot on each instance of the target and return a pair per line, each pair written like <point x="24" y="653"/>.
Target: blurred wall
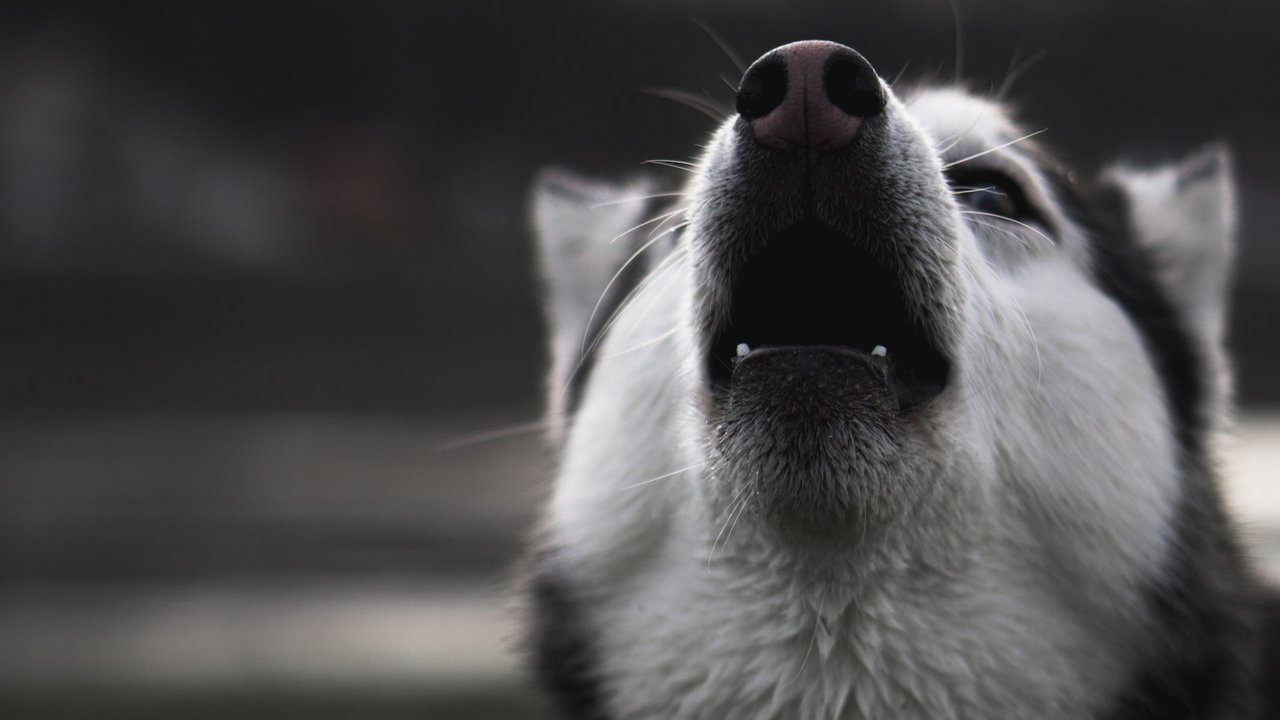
<point x="321" y="204"/>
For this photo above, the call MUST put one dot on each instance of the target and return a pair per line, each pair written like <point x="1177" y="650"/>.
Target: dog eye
<point x="991" y="193"/>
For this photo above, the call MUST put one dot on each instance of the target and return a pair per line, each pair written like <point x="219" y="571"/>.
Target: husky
<point x="888" y="414"/>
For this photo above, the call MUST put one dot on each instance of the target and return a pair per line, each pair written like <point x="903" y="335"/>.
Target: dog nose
<point x="809" y="95"/>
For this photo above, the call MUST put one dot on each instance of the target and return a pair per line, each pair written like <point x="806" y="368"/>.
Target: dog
<point x="888" y="414"/>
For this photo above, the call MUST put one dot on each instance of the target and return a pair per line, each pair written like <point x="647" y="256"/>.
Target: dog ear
<point x="1185" y="214"/>
<point x="582" y="236"/>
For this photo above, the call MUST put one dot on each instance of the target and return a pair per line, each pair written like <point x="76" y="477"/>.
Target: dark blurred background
<point x="264" y="264"/>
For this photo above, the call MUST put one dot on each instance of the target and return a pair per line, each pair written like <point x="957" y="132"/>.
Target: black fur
<point x="564" y="660"/>
<point x="1271" y="654"/>
<point x="1125" y="272"/>
<point x="1213" y="613"/>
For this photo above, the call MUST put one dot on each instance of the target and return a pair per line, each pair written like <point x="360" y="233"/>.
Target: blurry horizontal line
<point x="389" y="636"/>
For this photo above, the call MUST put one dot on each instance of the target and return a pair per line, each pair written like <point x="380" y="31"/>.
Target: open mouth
<point x="813" y="289"/>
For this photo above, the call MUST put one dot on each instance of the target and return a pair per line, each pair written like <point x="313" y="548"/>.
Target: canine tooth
<point x="743" y="350"/>
<point x="880" y="351"/>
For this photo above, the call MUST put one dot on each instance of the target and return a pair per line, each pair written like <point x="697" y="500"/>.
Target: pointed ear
<point x="580" y="226"/>
<point x="1186" y="215"/>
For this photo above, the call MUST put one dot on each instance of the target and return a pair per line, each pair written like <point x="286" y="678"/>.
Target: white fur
<point x="1011" y="589"/>
<point x="1186" y="214"/>
<point x="583" y="224"/>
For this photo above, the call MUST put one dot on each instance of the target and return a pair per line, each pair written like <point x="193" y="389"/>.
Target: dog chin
<point x="813" y="436"/>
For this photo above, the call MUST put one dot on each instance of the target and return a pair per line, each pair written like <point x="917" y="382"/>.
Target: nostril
<point x="851" y="84"/>
<point x="763" y="88"/>
<point x="809" y="96"/>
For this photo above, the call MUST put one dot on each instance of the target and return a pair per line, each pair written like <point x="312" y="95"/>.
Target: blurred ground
<point x="293" y="592"/>
<point x="228" y="566"/>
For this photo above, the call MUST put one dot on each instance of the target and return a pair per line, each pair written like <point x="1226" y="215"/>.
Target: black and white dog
<point x="889" y="415"/>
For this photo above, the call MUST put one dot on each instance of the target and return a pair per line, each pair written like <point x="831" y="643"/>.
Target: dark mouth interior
<point x="813" y="286"/>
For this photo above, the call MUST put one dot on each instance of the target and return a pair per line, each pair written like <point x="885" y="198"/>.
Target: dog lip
<point x="811" y="384"/>
<point x="875" y="373"/>
<point x="909" y="385"/>
<point x="852" y="353"/>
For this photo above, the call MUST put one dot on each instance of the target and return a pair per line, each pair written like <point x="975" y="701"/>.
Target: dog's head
<point x="866" y="307"/>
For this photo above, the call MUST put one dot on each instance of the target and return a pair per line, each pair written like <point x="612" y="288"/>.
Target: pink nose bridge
<point x="818" y="76"/>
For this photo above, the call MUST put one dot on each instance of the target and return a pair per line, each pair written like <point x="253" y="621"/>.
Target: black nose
<point x="811" y="94"/>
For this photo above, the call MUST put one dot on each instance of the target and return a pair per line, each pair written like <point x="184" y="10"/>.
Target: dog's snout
<point x="809" y="95"/>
